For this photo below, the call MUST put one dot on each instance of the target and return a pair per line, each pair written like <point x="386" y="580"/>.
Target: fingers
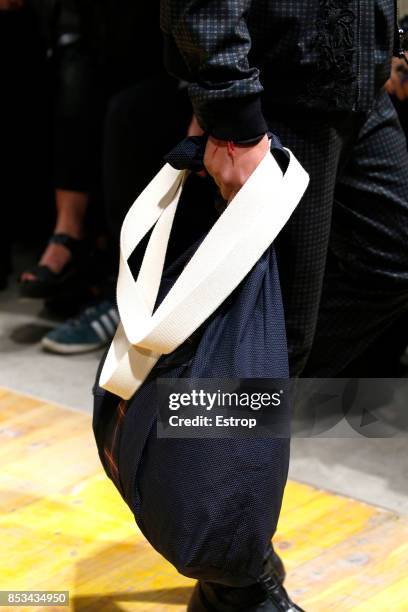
<point x="231" y="165"/>
<point x="398" y="87"/>
<point x="389" y="86"/>
<point x="397" y="84"/>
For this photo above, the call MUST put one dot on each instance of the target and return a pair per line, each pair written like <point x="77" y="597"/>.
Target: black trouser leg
<point x="322" y="146"/>
<point x="365" y="287"/>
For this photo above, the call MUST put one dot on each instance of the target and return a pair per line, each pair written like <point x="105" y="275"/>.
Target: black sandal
<point x="47" y="284"/>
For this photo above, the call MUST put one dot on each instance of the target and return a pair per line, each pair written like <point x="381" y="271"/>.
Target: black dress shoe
<point x="277" y="594"/>
<point x="213" y="597"/>
<point x="272" y="580"/>
<point x="268" y="595"/>
<point x="274" y="565"/>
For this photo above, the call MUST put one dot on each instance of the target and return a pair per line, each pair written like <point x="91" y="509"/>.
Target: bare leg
<point x="71" y="209"/>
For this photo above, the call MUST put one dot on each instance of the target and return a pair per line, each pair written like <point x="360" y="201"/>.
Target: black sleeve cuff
<point x="238" y="119"/>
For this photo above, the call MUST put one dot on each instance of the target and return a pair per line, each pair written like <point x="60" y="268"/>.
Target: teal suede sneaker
<point x="93" y="329"/>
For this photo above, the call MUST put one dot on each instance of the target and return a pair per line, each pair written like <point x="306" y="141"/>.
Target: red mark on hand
<point x="231" y="150"/>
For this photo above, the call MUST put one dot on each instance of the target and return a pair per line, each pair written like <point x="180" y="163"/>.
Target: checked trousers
<point x="343" y="257"/>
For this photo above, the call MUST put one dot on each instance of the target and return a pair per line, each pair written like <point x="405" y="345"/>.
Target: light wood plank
<point x="64" y="526"/>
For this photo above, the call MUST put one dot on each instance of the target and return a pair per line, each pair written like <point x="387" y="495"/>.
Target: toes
<point x="28" y="277"/>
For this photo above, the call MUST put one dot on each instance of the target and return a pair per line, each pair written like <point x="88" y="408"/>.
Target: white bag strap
<point x="234" y="244"/>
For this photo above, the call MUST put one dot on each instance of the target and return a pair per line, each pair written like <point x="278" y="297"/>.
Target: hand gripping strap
<point x="232" y="247"/>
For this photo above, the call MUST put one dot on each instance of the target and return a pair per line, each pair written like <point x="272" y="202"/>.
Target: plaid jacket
<point x="330" y="55"/>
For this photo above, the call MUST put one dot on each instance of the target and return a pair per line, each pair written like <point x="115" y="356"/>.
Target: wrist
<point x="239" y="120"/>
<point x="250" y="142"/>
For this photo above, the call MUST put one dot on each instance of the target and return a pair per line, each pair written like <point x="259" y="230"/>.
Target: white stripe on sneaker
<point x="100" y="332"/>
<point x="109" y="326"/>
<point x="114" y="315"/>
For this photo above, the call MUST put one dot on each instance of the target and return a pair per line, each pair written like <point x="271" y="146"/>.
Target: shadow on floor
<point x="177" y="595"/>
<point x="29" y="333"/>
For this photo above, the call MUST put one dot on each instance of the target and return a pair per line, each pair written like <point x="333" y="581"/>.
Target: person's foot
<point x="271" y="581"/>
<point x="268" y="595"/>
<point x="58" y="265"/>
<point x="209" y="596"/>
<point x="55" y="258"/>
<point x="71" y="208"/>
<point x="93" y="329"/>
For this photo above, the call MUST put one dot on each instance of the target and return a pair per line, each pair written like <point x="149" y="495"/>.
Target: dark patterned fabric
<point x="335" y="44"/>
<point x="353" y="223"/>
<point x="210" y="506"/>
<point x="303" y="58"/>
<point x="322" y="54"/>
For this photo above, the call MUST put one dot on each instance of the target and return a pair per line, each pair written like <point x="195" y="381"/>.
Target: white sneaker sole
<point x="69" y="349"/>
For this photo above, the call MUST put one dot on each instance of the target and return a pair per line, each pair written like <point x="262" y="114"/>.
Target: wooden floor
<point x="64" y="527"/>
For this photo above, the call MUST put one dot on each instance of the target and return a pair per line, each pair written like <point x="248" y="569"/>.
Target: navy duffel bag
<point x="210" y="506"/>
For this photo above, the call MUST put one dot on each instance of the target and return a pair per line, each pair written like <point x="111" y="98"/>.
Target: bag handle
<point x="234" y="244"/>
